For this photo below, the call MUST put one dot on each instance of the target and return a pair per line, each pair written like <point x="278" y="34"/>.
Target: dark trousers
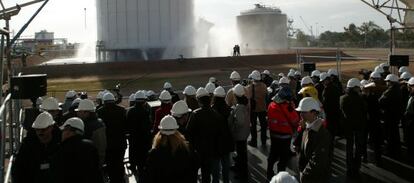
<point x="225" y="167"/>
<point x="376" y="137"/>
<point x="393" y="138"/>
<point x="241" y="159"/>
<point x="115" y="165"/>
<point x="210" y="167"/>
<point x="354" y="155"/>
<point x="279" y="151"/>
<point x="263" y="126"/>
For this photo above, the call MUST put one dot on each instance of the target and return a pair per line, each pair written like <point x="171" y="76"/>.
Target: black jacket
<point x="330" y="100"/>
<point x="77" y="161"/>
<point x="175" y="98"/>
<point x="391" y="103"/>
<point x="354" y="112"/>
<point x="139" y="130"/>
<point x="224" y="110"/>
<point x="114" y="118"/>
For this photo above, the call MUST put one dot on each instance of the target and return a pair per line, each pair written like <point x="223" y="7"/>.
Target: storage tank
<point x="146" y="29"/>
<point x="263" y="28"/>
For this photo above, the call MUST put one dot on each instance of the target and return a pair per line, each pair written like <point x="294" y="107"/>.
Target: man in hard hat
<point x="282" y="120"/>
<point x="334" y="76"/>
<point x="190" y="97"/>
<point x="205" y="132"/>
<point x="99" y="97"/>
<point x="174" y="97"/>
<point x="354" y="110"/>
<point x="139" y="128"/>
<point x="94" y="127"/>
<point x="267" y="79"/>
<point x="318" y="84"/>
<point x="51" y="105"/>
<point x="32" y="163"/>
<point x="314" y="158"/>
<point x="257" y="92"/>
<point x="77" y="159"/>
<point x="330" y="101"/>
<point x="235" y="79"/>
<point x="293" y="83"/>
<point x="214" y="81"/>
<point x="409" y="117"/>
<point x="181" y="113"/>
<point x="163" y="110"/>
<point x="69" y="97"/>
<point x="210" y="87"/>
<point x="71" y="111"/>
<point x="391" y="105"/>
<point x="386" y="67"/>
<point x="114" y="118"/>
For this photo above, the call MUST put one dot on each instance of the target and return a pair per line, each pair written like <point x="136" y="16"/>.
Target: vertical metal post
<point x="10" y="74"/>
<point x="2" y="119"/>
<point x="1" y="67"/>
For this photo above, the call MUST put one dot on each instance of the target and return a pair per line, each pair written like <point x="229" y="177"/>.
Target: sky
<point x="66" y="18"/>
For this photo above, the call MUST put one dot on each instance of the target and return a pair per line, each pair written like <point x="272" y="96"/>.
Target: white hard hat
<point x="323" y="76"/>
<point x="292" y="70"/>
<point x="375" y="75"/>
<point x="168" y="125"/>
<point x="353" y="82"/>
<point x="131" y="97"/>
<point x="306" y="80"/>
<point x="267" y="72"/>
<point x="167" y="85"/>
<point x="238" y="90"/>
<point x="76" y="101"/>
<point x="283" y="177"/>
<point x="39" y="101"/>
<point x="269" y="90"/>
<point x="149" y="93"/>
<point x="384" y="65"/>
<point x="235" y="76"/>
<point x="212" y="80"/>
<point x="379" y="69"/>
<point x="406" y="75"/>
<point x="284" y="80"/>
<point x="189" y="90"/>
<point x="333" y="72"/>
<point x="100" y="95"/>
<point x="392" y="78"/>
<point x="364" y="82"/>
<point x="281" y="75"/>
<point x="180" y="108"/>
<point x="297" y="73"/>
<point x="50" y="103"/>
<point x="308" y="104"/>
<point x="74" y="122"/>
<point x="43" y="120"/>
<point x="275" y="82"/>
<point x="315" y="73"/>
<point x="256" y="75"/>
<point x="210" y="87"/>
<point x="165" y="95"/>
<point x="403" y="69"/>
<point x="202" y="92"/>
<point x="219" y="92"/>
<point x="86" y="105"/>
<point x="71" y="94"/>
<point x="250" y="76"/>
<point x="411" y="81"/>
<point x="108" y="97"/>
<point x="140" y="95"/>
<point x="291" y="74"/>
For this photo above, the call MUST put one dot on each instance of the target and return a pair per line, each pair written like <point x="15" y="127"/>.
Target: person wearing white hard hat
<point x="280" y="75"/>
<point x="409" y="116"/>
<point x="283" y="177"/>
<point x="171" y="158"/>
<point x="391" y="104"/>
<point x="51" y="105"/>
<point x="354" y="110"/>
<point x="219" y="105"/>
<point x="114" y="118"/>
<point x="204" y="130"/>
<point x="32" y="162"/>
<point x="71" y="111"/>
<point x="190" y="97"/>
<point x="403" y="69"/>
<point x="314" y="158"/>
<point x="174" y="97"/>
<point x="330" y="97"/>
<point x="230" y="97"/>
<point x="139" y="126"/>
<point x="386" y="67"/>
<point x="334" y="76"/>
<point x="77" y="159"/>
<point x="163" y="110"/>
<point x="256" y="93"/>
<point x="308" y="89"/>
<point x="239" y="124"/>
<point x="210" y="87"/>
<point x="293" y="83"/>
<point x="94" y="127"/>
<point x="69" y="97"/>
<point x="181" y="113"/>
<point x="267" y="78"/>
<point x="214" y="81"/>
<point x="151" y="95"/>
<point x="99" y="97"/>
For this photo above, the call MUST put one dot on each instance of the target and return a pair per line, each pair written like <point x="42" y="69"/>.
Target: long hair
<point x="174" y="142"/>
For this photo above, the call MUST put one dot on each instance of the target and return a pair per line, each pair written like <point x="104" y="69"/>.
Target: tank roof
<point x="262" y="9"/>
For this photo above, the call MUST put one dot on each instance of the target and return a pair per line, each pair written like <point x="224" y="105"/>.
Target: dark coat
<point x="77" y="161"/>
<point x="391" y="104"/>
<point x="164" y="166"/>
<point x="320" y="87"/>
<point x="354" y="112"/>
<point x="330" y="100"/>
<point x="224" y="110"/>
<point x="95" y="131"/>
<point x="114" y="118"/>
<point x="174" y="97"/>
<point x="267" y="80"/>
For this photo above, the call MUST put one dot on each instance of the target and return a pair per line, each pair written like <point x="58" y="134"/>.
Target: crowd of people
<point x="208" y="129"/>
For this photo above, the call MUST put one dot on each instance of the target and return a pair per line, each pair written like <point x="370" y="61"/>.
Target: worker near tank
<point x="171" y="158"/>
<point x="190" y="97"/>
<point x="114" y="118"/>
<point x="354" y="112"/>
<point x="181" y="113"/>
<point x="283" y="120"/>
<point x="163" y="110"/>
<point x="239" y="124"/>
<point x="174" y="97"/>
<point x="230" y="97"/>
<point x="32" y="163"/>
<point x="205" y="134"/>
<point x="94" y="127"/>
<point x="70" y="96"/>
<point x="267" y="79"/>
<point x="330" y="101"/>
<point x="257" y="92"/>
<point x="139" y="134"/>
<point x="314" y="156"/>
<point x="391" y="105"/>
<point x="409" y="117"/>
<point x="219" y="105"/>
<point x="77" y="159"/>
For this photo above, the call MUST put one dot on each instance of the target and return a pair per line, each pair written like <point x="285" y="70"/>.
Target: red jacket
<point x="282" y="118"/>
<point x="164" y="110"/>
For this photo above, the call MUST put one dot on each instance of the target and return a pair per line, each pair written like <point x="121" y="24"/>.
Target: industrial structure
<point x="263" y="28"/>
<point x="144" y="29"/>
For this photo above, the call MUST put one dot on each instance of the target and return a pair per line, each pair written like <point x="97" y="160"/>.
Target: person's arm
<point x="99" y="139"/>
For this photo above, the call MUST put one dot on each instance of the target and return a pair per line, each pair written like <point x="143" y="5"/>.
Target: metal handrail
<point x="3" y="119"/>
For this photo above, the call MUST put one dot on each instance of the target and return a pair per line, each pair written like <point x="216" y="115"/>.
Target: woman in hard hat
<point x="165" y="108"/>
<point x="171" y="158"/>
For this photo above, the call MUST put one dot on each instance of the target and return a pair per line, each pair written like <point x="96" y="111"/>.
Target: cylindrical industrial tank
<point x="145" y="28"/>
<point x="263" y="28"/>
